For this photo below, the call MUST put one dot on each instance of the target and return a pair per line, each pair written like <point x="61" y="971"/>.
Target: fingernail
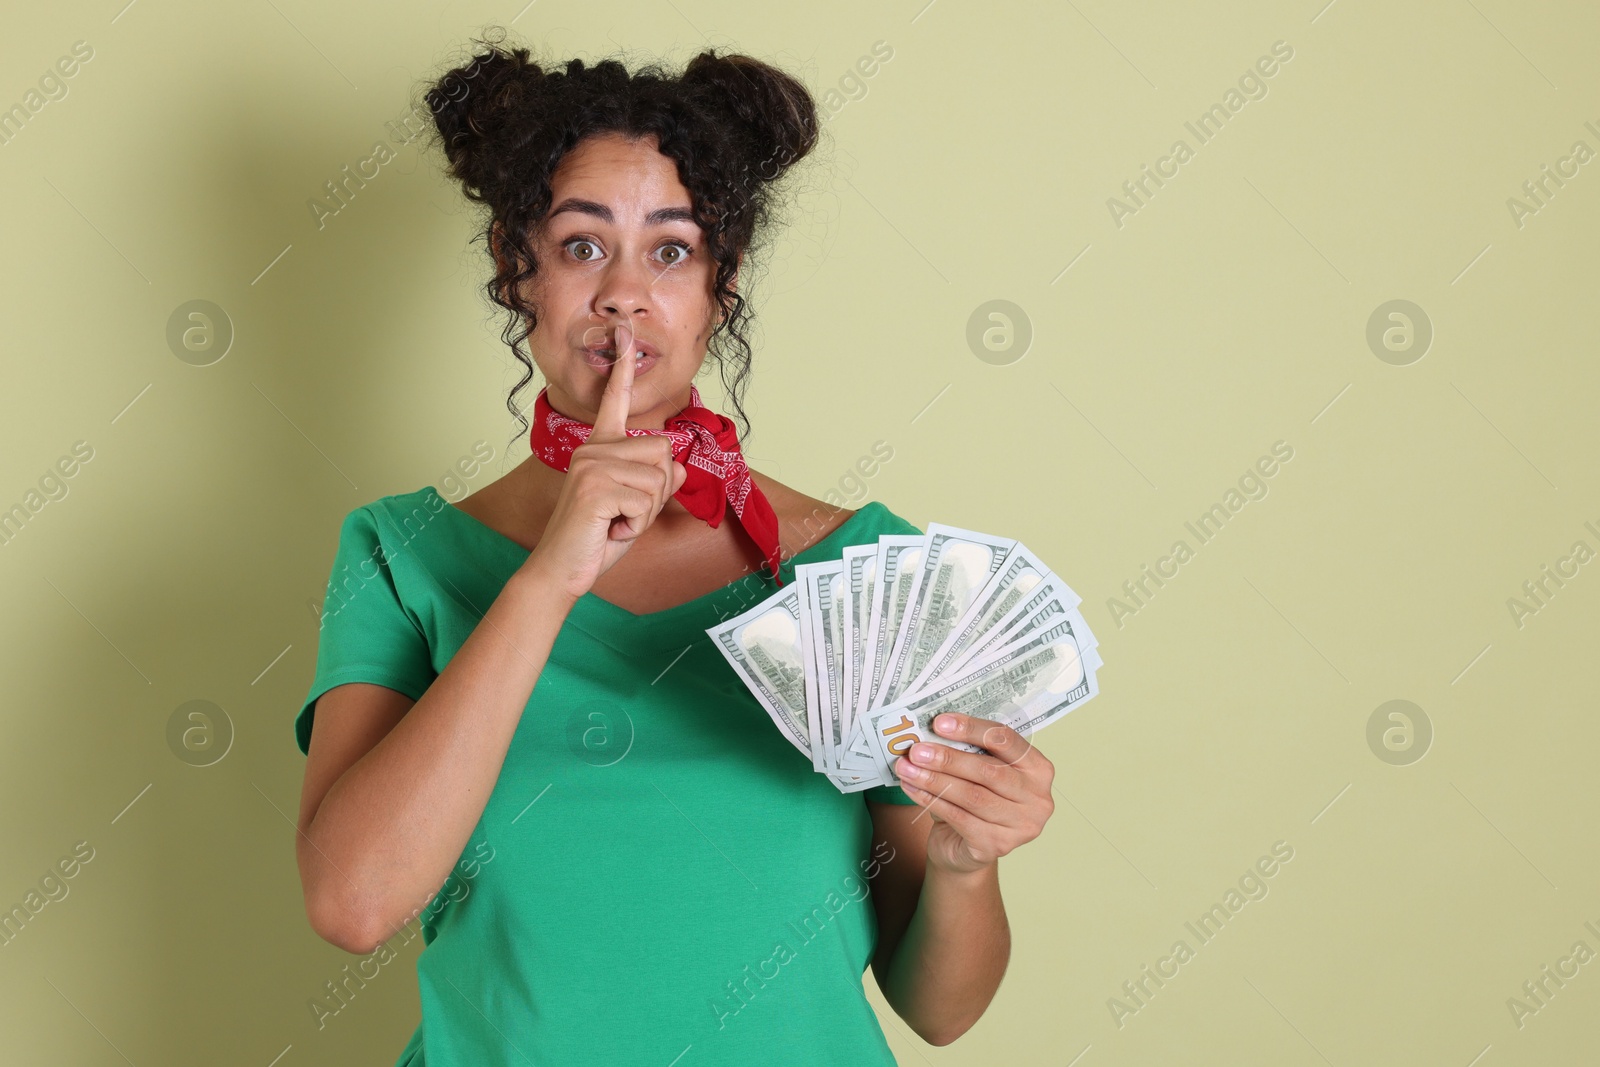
<point x="922" y="753"/>
<point x="946" y="724"/>
<point x="910" y="770"/>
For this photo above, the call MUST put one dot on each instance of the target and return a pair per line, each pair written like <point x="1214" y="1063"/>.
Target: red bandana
<point x="706" y="443"/>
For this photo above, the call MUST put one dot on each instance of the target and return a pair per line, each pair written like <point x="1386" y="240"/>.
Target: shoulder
<point x="804" y="520"/>
<point x="801" y="518"/>
<point x="391" y="519"/>
<point x="398" y="507"/>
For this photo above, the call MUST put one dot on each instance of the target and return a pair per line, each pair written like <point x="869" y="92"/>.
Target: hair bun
<point x="472" y="104"/>
<point x="774" y="115"/>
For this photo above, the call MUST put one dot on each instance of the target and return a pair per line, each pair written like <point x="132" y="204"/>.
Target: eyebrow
<point x="603" y="213"/>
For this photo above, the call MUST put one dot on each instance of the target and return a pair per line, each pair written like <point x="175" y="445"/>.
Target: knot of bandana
<point x="706" y="443"/>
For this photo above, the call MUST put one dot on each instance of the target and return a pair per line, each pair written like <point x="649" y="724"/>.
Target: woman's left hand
<point x="984" y="804"/>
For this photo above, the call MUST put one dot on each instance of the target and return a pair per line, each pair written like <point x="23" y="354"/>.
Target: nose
<point x="624" y="289"/>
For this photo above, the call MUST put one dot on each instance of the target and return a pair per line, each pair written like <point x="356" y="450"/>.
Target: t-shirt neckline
<point x="604" y="610"/>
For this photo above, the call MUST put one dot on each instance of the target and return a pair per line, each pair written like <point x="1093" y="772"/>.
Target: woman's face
<point x="620" y="246"/>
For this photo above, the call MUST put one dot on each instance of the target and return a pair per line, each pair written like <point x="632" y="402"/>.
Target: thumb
<point x="680" y="475"/>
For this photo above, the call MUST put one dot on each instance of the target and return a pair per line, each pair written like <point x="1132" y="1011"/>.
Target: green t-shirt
<point x="658" y="872"/>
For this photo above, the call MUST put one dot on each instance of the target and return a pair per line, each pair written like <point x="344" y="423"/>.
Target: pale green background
<point x="1227" y="314"/>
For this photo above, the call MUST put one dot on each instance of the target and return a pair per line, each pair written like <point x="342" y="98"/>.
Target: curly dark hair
<point x="732" y="124"/>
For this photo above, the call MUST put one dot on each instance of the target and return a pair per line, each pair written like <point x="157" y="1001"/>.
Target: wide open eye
<point x="589" y="256"/>
<point x="686" y="250"/>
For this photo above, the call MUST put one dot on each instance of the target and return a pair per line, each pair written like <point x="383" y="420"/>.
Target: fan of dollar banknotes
<point x="855" y="657"/>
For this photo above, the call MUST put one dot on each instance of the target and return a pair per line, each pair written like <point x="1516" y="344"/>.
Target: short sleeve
<point x="366" y="633"/>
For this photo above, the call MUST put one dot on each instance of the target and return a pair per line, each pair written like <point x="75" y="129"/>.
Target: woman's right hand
<point x="615" y="487"/>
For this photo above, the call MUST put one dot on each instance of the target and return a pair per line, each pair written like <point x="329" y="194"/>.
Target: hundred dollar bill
<point x="1025" y="686"/>
<point x="956" y="566"/>
<point x="898" y="731"/>
<point x="854" y="784"/>
<point x="1050" y="599"/>
<point x="1019" y="573"/>
<point x="809" y="664"/>
<point x="763" y="646"/>
<point x="858" y="747"/>
<point x="897" y="566"/>
<point x="1051" y="602"/>
<point x="823" y="598"/>
<point x="860" y="573"/>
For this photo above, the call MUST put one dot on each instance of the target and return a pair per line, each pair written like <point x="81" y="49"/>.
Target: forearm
<point x="389" y="831"/>
<point x="949" y="962"/>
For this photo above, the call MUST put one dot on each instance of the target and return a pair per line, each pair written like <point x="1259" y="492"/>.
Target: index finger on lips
<point x="611" y="423"/>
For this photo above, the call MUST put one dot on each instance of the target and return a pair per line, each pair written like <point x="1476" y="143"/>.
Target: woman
<point x="518" y="727"/>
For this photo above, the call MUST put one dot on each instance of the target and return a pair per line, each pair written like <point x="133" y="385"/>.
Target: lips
<point x="603" y="357"/>
<point x="610" y="352"/>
